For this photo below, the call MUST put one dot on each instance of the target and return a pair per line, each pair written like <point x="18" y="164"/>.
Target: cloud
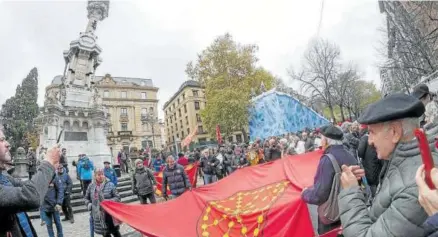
<point x="156" y="39"/>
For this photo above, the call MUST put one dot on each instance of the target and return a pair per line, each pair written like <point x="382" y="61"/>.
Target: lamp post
<point x="150" y="118"/>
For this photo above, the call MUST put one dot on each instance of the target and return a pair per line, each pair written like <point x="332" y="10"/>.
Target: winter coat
<point x="322" y="185"/>
<point x="31" y="157"/>
<point x="309" y="145"/>
<point x="63" y="160"/>
<point x="157" y="164"/>
<point x="21" y="196"/>
<point x="431" y="226"/>
<point x="209" y="168"/>
<point x="273" y="153"/>
<point x="351" y="142"/>
<point x="370" y="162"/>
<point x="85" y="169"/>
<point x="143" y="181"/>
<point x="95" y="195"/>
<point x="111" y="175"/>
<point x="176" y="178"/>
<point x="67" y="183"/>
<point x="395" y="210"/>
<point x="54" y="196"/>
<point x="239" y="161"/>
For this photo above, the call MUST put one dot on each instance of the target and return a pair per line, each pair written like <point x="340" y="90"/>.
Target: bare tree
<point x="320" y="69"/>
<point x="412" y="47"/>
<point x="341" y="86"/>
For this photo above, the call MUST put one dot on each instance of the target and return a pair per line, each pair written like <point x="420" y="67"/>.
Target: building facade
<point x="408" y="62"/>
<point x="182" y="114"/>
<point x="132" y="106"/>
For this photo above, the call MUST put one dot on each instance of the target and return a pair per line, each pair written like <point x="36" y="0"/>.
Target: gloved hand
<point x="58" y="207"/>
<point x="89" y="207"/>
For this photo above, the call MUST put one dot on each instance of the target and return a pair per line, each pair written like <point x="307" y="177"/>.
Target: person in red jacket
<point x="182" y="160"/>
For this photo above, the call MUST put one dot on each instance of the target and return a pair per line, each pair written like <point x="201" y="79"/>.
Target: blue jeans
<point x="50" y="217"/>
<point x="43" y="216"/>
<point x="209" y="178"/>
<point x="91" y="226"/>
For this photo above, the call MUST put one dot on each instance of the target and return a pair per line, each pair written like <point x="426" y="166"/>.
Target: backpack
<point x="328" y="212"/>
<point x="87" y="164"/>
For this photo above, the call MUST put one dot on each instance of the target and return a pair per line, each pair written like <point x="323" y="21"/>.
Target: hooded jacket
<point x="395" y="210"/>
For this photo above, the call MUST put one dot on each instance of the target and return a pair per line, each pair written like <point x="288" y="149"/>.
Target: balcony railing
<point x="124" y="133"/>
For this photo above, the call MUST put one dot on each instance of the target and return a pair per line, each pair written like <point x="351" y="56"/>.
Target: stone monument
<point x="74" y="106"/>
<point x="21" y="165"/>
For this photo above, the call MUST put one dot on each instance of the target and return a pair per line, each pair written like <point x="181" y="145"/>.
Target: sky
<point x="156" y="39"/>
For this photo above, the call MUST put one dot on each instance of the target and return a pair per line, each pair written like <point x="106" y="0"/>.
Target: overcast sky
<point x="156" y="39"/>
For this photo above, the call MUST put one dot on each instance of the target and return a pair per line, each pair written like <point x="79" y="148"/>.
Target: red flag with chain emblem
<point x="192" y="173"/>
<point x="262" y="200"/>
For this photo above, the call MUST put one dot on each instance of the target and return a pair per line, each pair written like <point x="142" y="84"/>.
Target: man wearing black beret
<point x="318" y="194"/>
<point x="395" y="210"/>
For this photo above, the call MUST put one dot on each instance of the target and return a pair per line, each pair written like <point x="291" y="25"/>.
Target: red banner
<point x="218" y="135"/>
<point x="191" y="170"/>
<point x="262" y="200"/>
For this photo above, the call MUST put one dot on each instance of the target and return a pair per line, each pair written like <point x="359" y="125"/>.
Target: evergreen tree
<point x="19" y="111"/>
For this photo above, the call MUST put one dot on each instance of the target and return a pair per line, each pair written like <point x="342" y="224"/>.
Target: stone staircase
<point x="78" y="203"/>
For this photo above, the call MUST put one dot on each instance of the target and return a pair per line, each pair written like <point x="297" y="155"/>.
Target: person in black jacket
<point x="371" y="164"/>
<point x="208" y="165"/>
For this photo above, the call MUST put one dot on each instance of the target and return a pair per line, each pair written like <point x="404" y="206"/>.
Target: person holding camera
<point x="17" y="197"/>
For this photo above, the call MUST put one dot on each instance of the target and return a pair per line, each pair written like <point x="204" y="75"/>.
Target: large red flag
<point x="191" y="170"/>
<point x="262" y="200"/>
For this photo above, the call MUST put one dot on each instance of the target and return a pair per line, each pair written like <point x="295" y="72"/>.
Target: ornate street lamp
<point x="150" y="119"/>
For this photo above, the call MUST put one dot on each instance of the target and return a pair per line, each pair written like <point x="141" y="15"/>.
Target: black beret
<point x="420" y="91"/>
<point x="392" y="107"/>
<point x="106" y="162"/>
<point x="332" y="132"/>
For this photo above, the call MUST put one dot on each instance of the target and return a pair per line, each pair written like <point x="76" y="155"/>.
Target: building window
<point x="197" y="105"/>
<point x="195" y="93"/>
<point x="200" y="129"/>
<point x="188" y="130"/>
<point x="178" y="100"/>
<point x="176" y="127"/>
<point x="123" y="94"/>
<point x="181" y="123"/>
<point x="177" y="135"/>
<point x="143" y="96"/>
<point x="124" y="111"/>
<point x="179" y="112"/>
<point x="239" y="138"/>
<point x="187" y="120"/>
<point x="184" y="96"/>
<point x="124" y="126"/>
<point x="185" y="108"/>
<point x="144" y="111"/>
<point x="151" y="109"/>
<point x="230" y="138"/>
<point x="106" y="94"/>
<point x="182" y="133"/>
<point x="198" y="118"/>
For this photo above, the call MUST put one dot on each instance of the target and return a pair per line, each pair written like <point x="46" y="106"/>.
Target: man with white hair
<point x="17" y="197"/>
<point x="395" y="210"/>
<point x="318" y="194"/>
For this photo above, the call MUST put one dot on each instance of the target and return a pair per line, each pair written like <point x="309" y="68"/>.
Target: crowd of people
<point x="374" y="162"/>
